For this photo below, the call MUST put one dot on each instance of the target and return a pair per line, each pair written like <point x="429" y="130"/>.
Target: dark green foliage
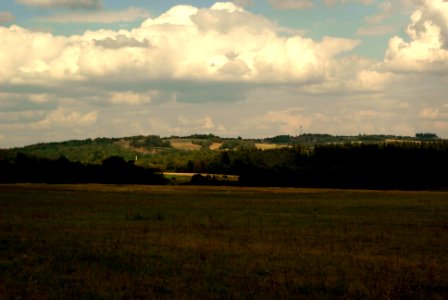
<point x="373" y="166"/>
<point x="150" y="141"/>
<point x="344" y="164"/>
<point x="199" y="179"/>
<point x="209" y="136"/>
<point x="113" y="170"/>
<point x="237" y="145"/>
<point x="281" y="139"/>
<point x="87" y="151"/>
<point x="204" y="143"/>
<point x="426" y="136"/>
<point x="312" y="139"/>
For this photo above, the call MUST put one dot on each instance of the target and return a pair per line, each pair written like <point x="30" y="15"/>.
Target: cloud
<point x="131" y="98"/>
<point x="208" y="123"/>
<point x="6" y="17"/>
<point x="64" y="118"/>
<point x="374" y="25"/>
<point x="88" y="4"/>
<point x="427" y="49"/>
<point x="183" y="44"/>
<point x="435" y="113"/>
<point x="120" y="41"/>
<point x="386" y="8"/>
<point x="358" y="120"/>
<point x="291" y="4"/>
<point x="128" y="15"/>
<point x="249" y="76"/>
<point x="375" y="30"/>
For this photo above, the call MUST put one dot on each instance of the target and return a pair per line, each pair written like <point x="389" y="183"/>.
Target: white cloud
<point x="6" y="17"/>
<point x="291" y="4"/>
<point x="208" y="123"/>
<point x="104" y="17"/>
<point x="251" y="77"/>
<point x="427" y="49"/>
<point x="120" y="41"/>
<point x="61" y="117"/>
<point x="185" y="43"/>
<point x="63" y="3"/>
<point x="34" y="56"/>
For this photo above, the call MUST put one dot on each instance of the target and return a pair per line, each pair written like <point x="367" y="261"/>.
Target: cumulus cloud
<point x="6" y="17"/>
<point x="185" y="43"/>
<point x="120" y="41"/>
<point x="427" y="49"/>
<point x="89" y="4"/>
<point x="254" y="77"/>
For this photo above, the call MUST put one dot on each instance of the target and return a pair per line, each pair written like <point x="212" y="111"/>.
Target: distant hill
<point x="172" y="153"/>
<point x="309" y="160"/>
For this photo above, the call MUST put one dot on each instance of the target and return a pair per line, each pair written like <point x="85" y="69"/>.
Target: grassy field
<point x="143" y="242"/>
<point x="184" y="144"/>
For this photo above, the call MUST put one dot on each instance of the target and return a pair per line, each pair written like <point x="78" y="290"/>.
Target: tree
<point x="426" y="136"/>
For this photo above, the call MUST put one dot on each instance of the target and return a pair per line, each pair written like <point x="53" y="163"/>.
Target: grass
<point x="114" y="242"/>
<point x="184" y="144"/>
<point x="268" y="146"/>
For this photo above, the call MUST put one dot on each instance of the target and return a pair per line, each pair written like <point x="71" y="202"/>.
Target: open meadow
<point x="184" y="242"/>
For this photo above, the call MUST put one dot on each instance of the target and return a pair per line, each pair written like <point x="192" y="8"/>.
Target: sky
<point x="77" y="69"/>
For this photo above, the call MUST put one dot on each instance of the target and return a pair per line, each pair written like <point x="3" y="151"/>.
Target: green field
<point x="144" y="242"/>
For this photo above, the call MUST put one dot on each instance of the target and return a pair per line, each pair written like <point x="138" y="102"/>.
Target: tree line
<point x="413" y="165"/>
<point x="371" y="166"/>
<point x="114" y="170"/>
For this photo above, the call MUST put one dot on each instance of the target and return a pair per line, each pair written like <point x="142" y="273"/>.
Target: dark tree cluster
<point x="371" y="166"/>
<point x="352" y="165"/>
<point x="406" y="165"/>
<point x="426" y="136"/>
<point x="114" y="170"/>
<point x="150" y="141"/>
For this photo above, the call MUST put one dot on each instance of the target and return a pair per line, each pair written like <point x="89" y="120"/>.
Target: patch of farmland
<point x="215" y="146"/>
<point x="191" y="242"/>
<point x="267" y="146"/>
<point x="184" y="144"/>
